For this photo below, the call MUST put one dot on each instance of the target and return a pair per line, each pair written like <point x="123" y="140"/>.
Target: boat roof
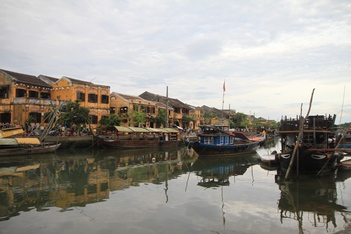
<point x="146" y="130"/>
<point x="19" y="141"/>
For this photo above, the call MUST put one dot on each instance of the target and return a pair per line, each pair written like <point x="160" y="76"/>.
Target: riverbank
<point x="72" y="141"/>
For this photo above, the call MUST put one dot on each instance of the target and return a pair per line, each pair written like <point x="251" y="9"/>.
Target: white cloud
<point x="271" y="54"/>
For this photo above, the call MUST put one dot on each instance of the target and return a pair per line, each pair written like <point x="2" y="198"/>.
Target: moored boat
<point x="25" y="146"/>
<point x="215" y="140"/>
<point x="135" y="137"/>
<point x="314" y="153"/>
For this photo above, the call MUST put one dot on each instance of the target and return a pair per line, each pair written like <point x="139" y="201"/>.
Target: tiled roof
<point x="158" y="98"/>
<point x="76" y="81"/>
<point x="52" y="79"/>
<point x="215" y="111"/>
<point x="128" y="97"/>
<point x="82" y="82"/>
<point x="26" y="79"/>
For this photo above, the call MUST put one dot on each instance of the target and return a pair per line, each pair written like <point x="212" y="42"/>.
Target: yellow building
<point x="180" y="115"/>
<point x="95" y="97"/>
<point x="123" y="105"/>
<point x="23" y="97"/>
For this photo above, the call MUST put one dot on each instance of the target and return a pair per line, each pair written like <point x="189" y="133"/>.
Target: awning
<point x="158" y="130"/>
<point x="123" y="129"/>
<point x="135" y="129"/>
<point x="170" y="130"/>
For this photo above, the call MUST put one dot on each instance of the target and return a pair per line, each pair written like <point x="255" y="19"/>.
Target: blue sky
<point x="270" y="53"/>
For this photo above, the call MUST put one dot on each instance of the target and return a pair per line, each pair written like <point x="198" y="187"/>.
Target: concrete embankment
<point x="72" y="141"/>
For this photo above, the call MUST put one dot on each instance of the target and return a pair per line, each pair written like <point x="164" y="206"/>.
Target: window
<point x="94" y="119"/>
<point x="21" y="93"/>
<point x="92" y="97"/>
<point x="150" y="110"/>
<point x="35" y="116"/>
<point x="104" y="99"/>
<point x="4" y="92"/>
<point x="123" y="109"/>
<point x="45" y="95"/>
<point x="136" y="107"/>
<point x="112" y="110"/>
<point x="33" y="94"/>
<point x="80" y="96"/>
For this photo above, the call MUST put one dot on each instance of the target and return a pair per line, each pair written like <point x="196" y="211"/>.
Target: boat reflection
<point x="311" y="200"/>
<point x="68" y="179"/>
<point x="215" y="172"/>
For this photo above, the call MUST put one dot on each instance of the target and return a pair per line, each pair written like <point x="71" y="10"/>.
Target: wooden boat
<point x="25" y="146"/>
<point x="215" y="140"/>
<point x="134" y="137"/>
<point x="345" y="165"/>
<point x="314" y="154"/>
<point x="260" y="138"/>
<point x="269" y="159"/>
<point x="345" y="143"/>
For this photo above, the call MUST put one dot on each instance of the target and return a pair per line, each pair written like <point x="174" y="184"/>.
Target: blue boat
<point x="217" y="140"/>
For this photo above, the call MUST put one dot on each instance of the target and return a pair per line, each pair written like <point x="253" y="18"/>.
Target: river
<point x="157" y="191"/>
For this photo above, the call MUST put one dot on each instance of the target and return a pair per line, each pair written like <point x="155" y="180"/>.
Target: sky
<point x="271" y="55"/>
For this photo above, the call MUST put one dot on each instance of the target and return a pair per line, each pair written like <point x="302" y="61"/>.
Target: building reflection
<point x="69" y="180"/>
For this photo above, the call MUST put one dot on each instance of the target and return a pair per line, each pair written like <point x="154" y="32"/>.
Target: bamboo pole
<point x="299" y="137"/>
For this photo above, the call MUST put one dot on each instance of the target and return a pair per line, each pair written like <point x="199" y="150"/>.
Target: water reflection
<point x="311" y="200"/>
<point x="216" y="172"/>
<point x="70" y="179"/>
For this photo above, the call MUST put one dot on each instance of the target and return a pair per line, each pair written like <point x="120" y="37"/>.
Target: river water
<point x="157" y="191"/>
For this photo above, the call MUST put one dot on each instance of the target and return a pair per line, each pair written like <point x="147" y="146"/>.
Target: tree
<point x="73" y="113"/>
<point x="111" y="120"/>
<point x="239" y="120"/>
<point x="208" y="116"/>
<point x="137" y="118"/>
<point x="160" y="119"/>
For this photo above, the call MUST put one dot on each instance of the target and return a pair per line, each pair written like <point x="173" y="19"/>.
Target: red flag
<point x="224" y="86"/>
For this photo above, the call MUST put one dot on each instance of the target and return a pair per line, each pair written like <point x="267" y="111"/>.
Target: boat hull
<point x="25" y="150"/>
<point x="222" y="150"/>
<point x="309" y="162"/>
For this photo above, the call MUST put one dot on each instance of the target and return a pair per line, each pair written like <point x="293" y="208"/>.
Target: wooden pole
<point x="166" y="124"/>
<point x="299" y="137"/>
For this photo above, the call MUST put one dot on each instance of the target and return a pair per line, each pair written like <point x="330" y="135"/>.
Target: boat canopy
<point x="28" y="141"/>
<point x="146" y="130"/>
<point x="19" y="141"/>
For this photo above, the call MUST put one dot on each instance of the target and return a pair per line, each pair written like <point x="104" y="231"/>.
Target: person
<point x="72" y="130"/>
<point x="59" y="129"/>
<point x="35" y="126"/>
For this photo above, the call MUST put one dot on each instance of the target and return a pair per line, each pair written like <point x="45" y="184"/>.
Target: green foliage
<point x="73" y="113"/>
<point x="239" y="120"/>
<point x="137" y="118"/>
<point x="208" y="116"/>
<point x="161" y="117"/>
<point x="111" y="120"/>
<point x="187" y="118"/>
